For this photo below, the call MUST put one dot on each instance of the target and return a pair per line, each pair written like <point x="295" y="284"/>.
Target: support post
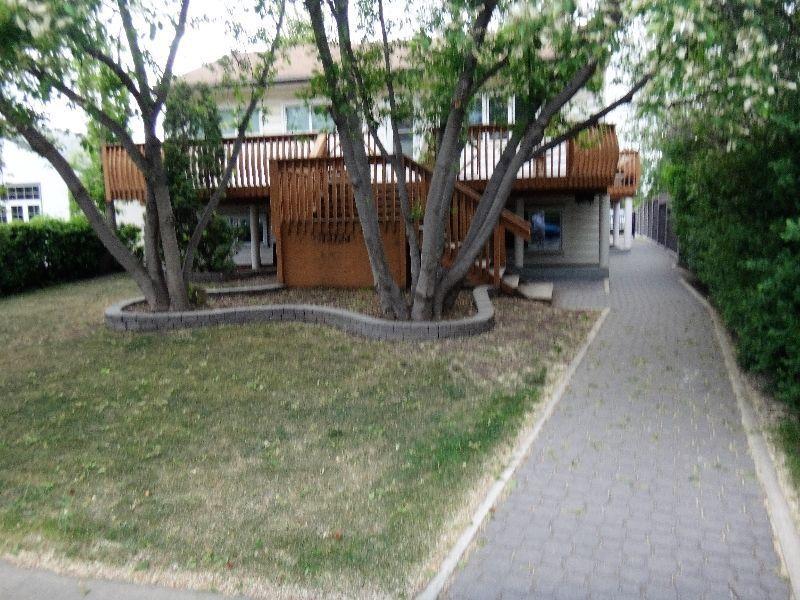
<point x="615" y="226"/>
<point x="628" y="223"/>
<point x="605" y="207"/>
<point x="519" y="243"/>
<point x="255" y="238"/>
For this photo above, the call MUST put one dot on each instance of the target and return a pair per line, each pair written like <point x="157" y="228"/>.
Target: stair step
<point x="511" y="280"/>
<point x="540" y="290"/>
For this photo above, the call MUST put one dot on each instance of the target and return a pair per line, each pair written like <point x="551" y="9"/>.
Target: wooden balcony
<point x="586" y="163"/>
<point x="250" y="178"/>
<point x="629" y="172"/>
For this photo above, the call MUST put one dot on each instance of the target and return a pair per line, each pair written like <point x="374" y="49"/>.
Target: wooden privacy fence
<point x="588" y="161"/>
<point x="654" y="219"/>
<point x="315" y="196"/>
<point x="629" y="172"/>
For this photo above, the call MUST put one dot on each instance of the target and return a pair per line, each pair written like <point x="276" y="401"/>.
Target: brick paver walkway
<point x="640" y="484"/>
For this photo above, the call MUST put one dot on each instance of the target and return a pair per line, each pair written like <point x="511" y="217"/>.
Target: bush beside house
<point x="48" y="251"/>
<point x="737" y="215"/>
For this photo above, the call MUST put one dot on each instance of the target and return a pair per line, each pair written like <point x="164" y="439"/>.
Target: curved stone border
<point x="119" y="319"/>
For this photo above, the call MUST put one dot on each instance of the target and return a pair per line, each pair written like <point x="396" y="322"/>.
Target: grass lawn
<point x="269" y="459"/>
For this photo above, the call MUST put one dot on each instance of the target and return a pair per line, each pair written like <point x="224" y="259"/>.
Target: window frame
<point x="530" y="248"/>
<point x="34" y="196"/>
<point x="21" y="209"/>
<point x="309" y="107"/>
<point x="235" y="115"/>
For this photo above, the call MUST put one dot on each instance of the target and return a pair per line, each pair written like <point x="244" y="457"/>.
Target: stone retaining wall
<point x="119" y="319"/>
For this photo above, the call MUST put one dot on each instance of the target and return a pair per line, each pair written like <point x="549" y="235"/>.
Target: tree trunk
<point x="173" y="266"/>
<point x="45" y="148"/>
<point x="152" y="253"/>
<point x="350" y="128"/>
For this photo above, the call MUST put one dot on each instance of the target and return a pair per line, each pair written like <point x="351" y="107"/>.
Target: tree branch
<point x="93" y="110"/>
<point x="47" y="150"/>
<point x="491" y="72"/>
<point x="136" y="54"/>
<point x="166" y="77"/>
<point x="399" y="166"/>
<point x="216" y="197"/>
<point x="592" y="120"/>
<point x="114" y="67"/>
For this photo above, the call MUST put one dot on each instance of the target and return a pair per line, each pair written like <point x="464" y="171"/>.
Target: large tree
<point x="49" y="49"/>
<point x="543" y="53"/>
<point x="551" y="56"/>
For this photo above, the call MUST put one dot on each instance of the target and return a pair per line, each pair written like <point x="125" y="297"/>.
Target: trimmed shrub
<point x="736" y="215"/>
<point x="47" y="251"/>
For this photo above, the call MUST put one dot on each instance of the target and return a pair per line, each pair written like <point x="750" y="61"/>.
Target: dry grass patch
<point x="283" y="455"/>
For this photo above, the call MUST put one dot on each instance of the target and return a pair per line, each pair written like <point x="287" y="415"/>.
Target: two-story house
<point x="562" y="198"/>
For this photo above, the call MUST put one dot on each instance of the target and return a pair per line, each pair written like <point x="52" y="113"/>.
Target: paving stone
<point x="641" y="478"/>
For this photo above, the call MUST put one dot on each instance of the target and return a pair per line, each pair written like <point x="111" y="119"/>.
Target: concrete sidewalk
<point x="641" y="484"/>
<point x="26" y="584"/>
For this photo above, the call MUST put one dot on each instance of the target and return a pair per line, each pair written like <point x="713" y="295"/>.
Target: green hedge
<point x="48" y="251"/>
<point x="737" y="216"/>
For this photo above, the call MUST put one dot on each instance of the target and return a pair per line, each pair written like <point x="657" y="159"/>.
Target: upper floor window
<point x="488" y="110"/>
<point x="302" y="118"/>
<point x="28" y="191"/>
<point x="229" y="122"/>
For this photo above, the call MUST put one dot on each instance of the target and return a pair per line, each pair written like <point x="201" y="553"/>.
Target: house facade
<point x="291" y="189"/>
<point x="30" y="187"/>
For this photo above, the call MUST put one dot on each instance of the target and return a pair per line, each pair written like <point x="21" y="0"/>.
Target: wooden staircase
<point x="315" y="195"/>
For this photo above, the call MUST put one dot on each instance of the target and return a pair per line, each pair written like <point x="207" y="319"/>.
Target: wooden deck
<point x="629" y="173"/>
<point x="313" y="212"/>
<point x="585" y="163"/>
<point x="588" y="163"/>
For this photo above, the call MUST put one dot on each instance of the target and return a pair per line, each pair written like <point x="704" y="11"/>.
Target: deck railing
<point x="588" y="161"/>
<point x="628" y="175"/>
<point x="250" y="178"/>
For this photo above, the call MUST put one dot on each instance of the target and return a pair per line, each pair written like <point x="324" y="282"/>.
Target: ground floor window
<point x="546" y="231"/>
<point x="34" y="210"/>
<point x="3" y="217"/>
<point x="16" y="213"/>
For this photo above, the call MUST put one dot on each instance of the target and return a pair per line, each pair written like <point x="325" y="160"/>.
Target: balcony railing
<point x="626" y="179"/>
<point x="588" y="162"/>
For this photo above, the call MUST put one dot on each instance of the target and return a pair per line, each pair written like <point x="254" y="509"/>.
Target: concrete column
<point x="605" y="207"/>
<point x="615" y="227"/>
<point x="519" y="243"/>
<point x="255" y="237"/>
<point x="628" y="223"/>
